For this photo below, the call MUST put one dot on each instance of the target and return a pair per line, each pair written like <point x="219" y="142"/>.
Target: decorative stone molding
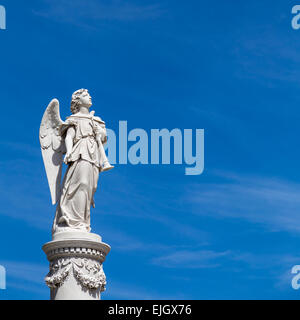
<point x="76" y="270"/>
<point x="89" y="273"/>
<point x="77" y="251"/>
<point x="59" y="272"/>
<point x="94" y="278"/>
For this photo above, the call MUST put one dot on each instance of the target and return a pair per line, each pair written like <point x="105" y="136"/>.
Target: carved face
<point x="85" y="99"/>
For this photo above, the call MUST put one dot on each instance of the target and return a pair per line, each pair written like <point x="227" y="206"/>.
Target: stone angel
<point x="81" y="138"/>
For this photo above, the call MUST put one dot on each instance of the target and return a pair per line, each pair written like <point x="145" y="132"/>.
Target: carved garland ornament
<point x="88" y="273"/>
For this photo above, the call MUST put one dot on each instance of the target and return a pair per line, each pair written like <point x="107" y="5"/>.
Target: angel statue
<point x="81" y="138"/>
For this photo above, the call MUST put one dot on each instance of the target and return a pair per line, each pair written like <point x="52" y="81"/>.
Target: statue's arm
<point x="101" y="134"/>
<point x="70" y="135"/>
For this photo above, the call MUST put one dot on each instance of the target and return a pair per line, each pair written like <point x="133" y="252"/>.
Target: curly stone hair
<point x="75" y="100"/>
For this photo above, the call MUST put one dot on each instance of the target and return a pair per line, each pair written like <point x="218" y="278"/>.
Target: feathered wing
<point x="53" y="147"/>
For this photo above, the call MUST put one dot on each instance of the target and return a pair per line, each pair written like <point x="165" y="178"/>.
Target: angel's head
<point x="80" y="98"/>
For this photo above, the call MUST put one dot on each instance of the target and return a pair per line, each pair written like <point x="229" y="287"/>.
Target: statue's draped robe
<point x="81" y="178"/>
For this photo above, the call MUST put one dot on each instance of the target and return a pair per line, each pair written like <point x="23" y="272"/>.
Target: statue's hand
<point x="67" y="158"/>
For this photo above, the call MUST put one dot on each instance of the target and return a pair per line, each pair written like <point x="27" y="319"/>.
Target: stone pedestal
<point x="76" y="271"/>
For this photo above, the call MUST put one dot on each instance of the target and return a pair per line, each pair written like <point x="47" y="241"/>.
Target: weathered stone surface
<point x="76" y="271"/>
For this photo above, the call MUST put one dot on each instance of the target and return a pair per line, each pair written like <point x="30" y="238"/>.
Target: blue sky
<point x="229" y="67"/>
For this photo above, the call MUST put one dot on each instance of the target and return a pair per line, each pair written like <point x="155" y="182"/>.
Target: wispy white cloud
<point x="284" y="280"/>
<point x="277" y="267"/>
<point x="265" y="260"/>
<point x="271" y="202"/>
<point x="83" y="12"/>
<point x="191" y="259"/>
<point x="122" y="241"/>
<point x="266" y="55"/>
<point x="25" y="271"/>
<point x="21" y="148"/>
<point x="22" y="196"/>
<point x="274" y="268"/>
<point x="139" y="203"/>
<point x="128" y="291"/>
<point x="27" y="277"/>
<point x="39" y="292"/>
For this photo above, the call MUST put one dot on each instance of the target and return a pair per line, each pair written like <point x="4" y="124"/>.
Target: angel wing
<point x="53" y="147"/>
